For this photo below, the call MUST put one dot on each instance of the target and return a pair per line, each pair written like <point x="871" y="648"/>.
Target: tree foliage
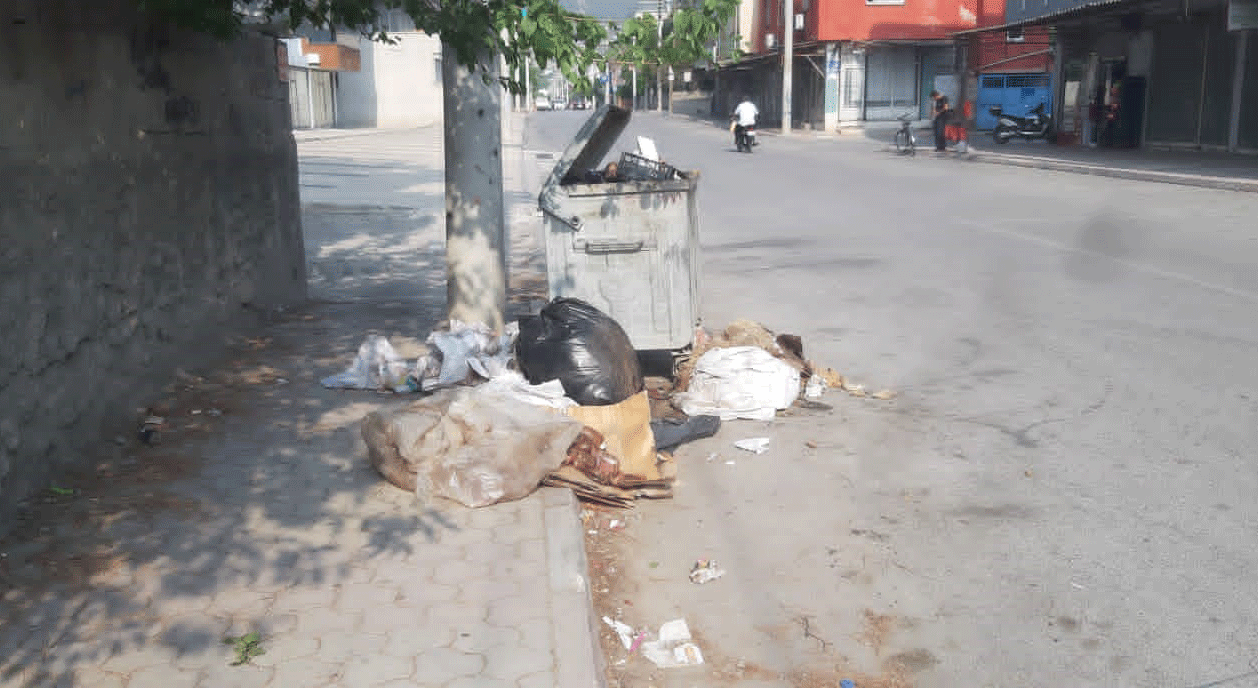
<point x="686" y="35"/>
<point x="474" y="28"/>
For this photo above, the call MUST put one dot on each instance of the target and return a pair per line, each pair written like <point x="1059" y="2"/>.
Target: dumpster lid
<point x="592" y="142"/>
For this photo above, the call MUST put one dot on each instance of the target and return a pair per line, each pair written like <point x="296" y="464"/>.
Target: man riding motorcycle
<point x="744" y="118"/>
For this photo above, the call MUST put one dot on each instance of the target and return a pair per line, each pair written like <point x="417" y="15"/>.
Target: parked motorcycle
<point x="1037" y="124"/>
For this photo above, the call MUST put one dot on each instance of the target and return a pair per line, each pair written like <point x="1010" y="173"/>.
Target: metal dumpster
<point x="628" y="247"/>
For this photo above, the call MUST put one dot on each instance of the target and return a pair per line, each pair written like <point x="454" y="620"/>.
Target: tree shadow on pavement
<point x="255" y="504"/>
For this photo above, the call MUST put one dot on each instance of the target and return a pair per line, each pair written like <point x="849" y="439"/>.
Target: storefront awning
<point x="1078" y="10"/>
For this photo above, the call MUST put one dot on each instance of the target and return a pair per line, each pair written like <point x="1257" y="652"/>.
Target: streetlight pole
<point x="788" y="58"/>
<point x="659" y="45"/>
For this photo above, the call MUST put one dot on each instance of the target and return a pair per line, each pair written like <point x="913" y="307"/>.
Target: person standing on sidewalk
<point x="942" y="112"/>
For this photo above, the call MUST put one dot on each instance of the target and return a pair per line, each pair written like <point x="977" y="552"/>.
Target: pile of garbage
<point x="642" y="165"/>
<point x="559" y="399"/>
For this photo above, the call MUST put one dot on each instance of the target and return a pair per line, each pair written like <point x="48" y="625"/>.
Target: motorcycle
<point x="744" y="137"/>
<point x="1036" y="125"/>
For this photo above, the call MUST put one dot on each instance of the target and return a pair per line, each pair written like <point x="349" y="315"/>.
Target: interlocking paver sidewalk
<point x="257" y="511"/>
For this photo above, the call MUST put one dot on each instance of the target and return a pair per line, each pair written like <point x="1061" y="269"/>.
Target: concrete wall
<point x="398" y="85"/>
<point x="150" y="191"/>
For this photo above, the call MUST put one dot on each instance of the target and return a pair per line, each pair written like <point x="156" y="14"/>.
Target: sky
<point x="613" y="10"/>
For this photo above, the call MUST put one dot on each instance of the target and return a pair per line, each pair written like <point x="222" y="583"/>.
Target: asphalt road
<point x="1063" y="491"/>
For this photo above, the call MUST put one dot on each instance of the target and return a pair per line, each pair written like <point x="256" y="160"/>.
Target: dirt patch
<point x="913" y="661"/>
<point x="830" y="678"/>
<point x="877" y="630"/>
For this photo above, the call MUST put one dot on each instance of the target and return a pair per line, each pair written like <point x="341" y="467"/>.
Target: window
<point x="1015" y="35"/>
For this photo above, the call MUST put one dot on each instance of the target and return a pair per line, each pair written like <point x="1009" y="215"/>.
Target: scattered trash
<point x="847" y="683"/>
<point x="831" y="377"/>
<point x="883" y="395"/>
<point x="815" y="387"/>
<point x="810" y="444"/>
<point x="713" y="456"/>
<point x="654" y="565"/>
<point x="61" y="491"/>
<point x="472" y="445"/>
<point x="648" y="149"/>
<point x="377" y="366"/>
<point x="512" y="384"/>
<point x="623" y="631"/>
<point x="739" y="382"/>
<point x="673" y="647"/>
<point x="464" y="349"/>
<point x="615" y="524"/>
<point x="855" y="390"/>
<point x="729" y="463"/>
<point x="670" y="433"/>
<point x="627" y="434"/>
<point x="755" y="445"/>
<point x="586" y="350"/>
<point x="281" y="381"/>
<point x="150" y="429"/>
<point x="705" y="571"/>
<point x="454" y="355"/>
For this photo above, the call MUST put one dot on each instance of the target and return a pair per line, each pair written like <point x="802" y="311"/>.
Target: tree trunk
<point x="476" y="259"/>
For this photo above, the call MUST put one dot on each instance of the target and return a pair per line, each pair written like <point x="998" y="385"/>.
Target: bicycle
<point x="905" y="142"/>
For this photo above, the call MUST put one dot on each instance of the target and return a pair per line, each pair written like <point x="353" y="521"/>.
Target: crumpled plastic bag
<point x="739" y="382"/>
<point x="470" y="348"/>
<point x="455" y="354"/>
<point x="377" y="366"/>
<point x="474" y="445"/>
<point x="511" y="383"/>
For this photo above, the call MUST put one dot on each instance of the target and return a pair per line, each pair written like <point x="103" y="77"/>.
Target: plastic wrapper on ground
<point x="471" y="445"/>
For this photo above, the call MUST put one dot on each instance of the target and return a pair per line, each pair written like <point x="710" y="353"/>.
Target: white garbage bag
<point x="739" y="382"/>
<point x="377" y="366"/>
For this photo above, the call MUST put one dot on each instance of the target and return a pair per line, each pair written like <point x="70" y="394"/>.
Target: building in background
<point x="854" y="61"/>
<point x="339" y="78"/>
<point x="1167" y="73"/>
<point x="1010" y="68"/>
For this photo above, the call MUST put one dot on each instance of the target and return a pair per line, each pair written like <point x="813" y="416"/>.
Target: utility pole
<point x="476" y="258"/>
<point x="659" y="46"/>
<point x="788" y="59"/>
<point x="528" y="86"/>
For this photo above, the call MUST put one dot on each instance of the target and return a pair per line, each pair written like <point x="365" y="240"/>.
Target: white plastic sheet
<point x="673" y="648"/>
<point x="377" y="366"/>
<point x="740" y="382"/>
<point x="455" y="355"/>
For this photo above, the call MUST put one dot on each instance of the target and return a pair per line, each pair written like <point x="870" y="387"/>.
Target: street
<point x="1061" y="493"/>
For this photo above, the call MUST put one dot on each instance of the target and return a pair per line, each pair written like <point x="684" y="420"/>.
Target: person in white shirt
<point x="744" y="116"/>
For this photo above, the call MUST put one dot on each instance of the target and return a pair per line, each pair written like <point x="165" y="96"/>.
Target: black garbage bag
<point x="582" y="347"/>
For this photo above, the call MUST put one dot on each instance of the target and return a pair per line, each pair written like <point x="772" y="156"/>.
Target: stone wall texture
<point x="148" y="194"/>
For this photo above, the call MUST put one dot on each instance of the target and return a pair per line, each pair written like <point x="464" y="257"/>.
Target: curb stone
<point x="572" y="612"/>
<point x="1223" y="183"/>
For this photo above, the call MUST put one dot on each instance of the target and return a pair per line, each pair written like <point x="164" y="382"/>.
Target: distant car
<point x="541" y="103"/>
<point x="578" y="104"/>
<point x="558" y="104"/>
